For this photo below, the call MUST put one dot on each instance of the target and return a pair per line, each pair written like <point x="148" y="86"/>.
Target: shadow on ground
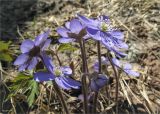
<point x="14" y="14"/>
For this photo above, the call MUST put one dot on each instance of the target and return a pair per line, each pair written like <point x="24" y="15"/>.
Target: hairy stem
<point x="117" y="79"/>
<point x="61" y="98"/>
<point x="99" y="56"/>
<point x="83" y="54"/>
<point x="59" y="61"/>
<point x="85" y="58"/>
<point x="99" y="71"/>
<point x="85" y="71"/>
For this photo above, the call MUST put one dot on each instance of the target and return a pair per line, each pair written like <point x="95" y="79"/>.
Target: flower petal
<point x="71" y="83"/>
<point x="21" y="59"/>
<point x="128" y="69"/>
<point x="67" y="25"/>
<point x="104" y="18"/>
<point x="96" y="66"/>
<point x="66" y="40"/>
<point x="93" y="86"/>
<point x="131" y="72"/>
<point x="48" y="62"/>
<point x="75" y="26"/>
<point x="43" y="76"/>
<point x="99" y="82"/>
<point x="66" y="70"/>
<point x="26" y="46"/>
<point x="121" y="44"/>
<point x="107" y="42"/>
<point x="89" y="22"/>
<point x="127" y="66"/>
<point x="33" y="63"/>
<point x="60" y="83"/>
<point x="40" y="39"/>
<point x="118" y="53"/>
<point x="62" y="31"/>
<point x="86" y="37"/>
<point x="84" y="19"/>
<point x="117" y="34"/>
<point x="23" y="67"/>
<point x="46" y="44"/>
<point x="95" y="34"/>
<point x="116" y="62"/>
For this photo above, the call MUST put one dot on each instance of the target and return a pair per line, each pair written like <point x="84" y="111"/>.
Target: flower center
<point x="104" y="27"/>
<point x="58" y="72"/>
<point x="34" y="51"/>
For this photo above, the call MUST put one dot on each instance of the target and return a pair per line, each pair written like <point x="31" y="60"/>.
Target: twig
<point x="13" y="105"/>
<point x="60" y="63"/>
<point x="19" y="33"/>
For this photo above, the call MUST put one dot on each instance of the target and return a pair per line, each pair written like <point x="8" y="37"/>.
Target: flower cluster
<point x="33" y="52"/>
<point x="98" y="29"/>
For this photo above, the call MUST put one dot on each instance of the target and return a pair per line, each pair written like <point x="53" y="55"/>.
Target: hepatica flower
<point x="61" y="77"/>
<point x="127" y="68"/>
<point x="72" y="31"/>
<point x="33" y="51"/>
<point x="98" y="81"/>
<point x="100" y="29"/>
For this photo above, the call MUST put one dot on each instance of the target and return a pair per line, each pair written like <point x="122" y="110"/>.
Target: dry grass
<point x="140" y="21"/>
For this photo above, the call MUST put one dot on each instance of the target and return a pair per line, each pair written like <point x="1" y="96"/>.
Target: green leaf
<point x="66" y="47"/>
<point x="26" y="85"/>
<point x="33" y="92"/>
<point x="4" y="45"/>
<point x="21" y="77"/>
<point x="5" y="56"/>
<point x="20" y="82"/>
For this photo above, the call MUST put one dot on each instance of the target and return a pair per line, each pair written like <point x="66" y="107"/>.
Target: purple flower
<point x="100" y="29"/>
<point x="127" y="68"/>
<point x="61" y="77"/>
<point x="72" y="31"/>
<point x="98" y="81"/>
<point x="33" y="51"/>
